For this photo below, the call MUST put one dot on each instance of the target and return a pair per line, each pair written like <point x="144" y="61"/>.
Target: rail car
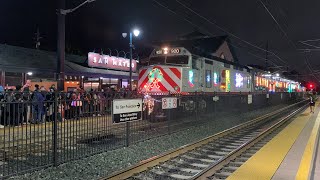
<point x="176" y="70"/>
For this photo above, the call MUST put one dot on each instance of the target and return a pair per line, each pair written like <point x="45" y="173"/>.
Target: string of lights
<point x="204" y="30"/>
<point x="229" y="33"/>
<point x="287" y="37"/>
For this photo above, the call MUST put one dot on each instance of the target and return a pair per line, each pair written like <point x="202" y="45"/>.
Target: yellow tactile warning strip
<point x="266" y="161"/>
<point x="308" y="155"/>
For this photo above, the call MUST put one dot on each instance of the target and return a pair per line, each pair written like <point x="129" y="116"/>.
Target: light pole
<point x="136" y="33"/>
<point x="62" y="12"/>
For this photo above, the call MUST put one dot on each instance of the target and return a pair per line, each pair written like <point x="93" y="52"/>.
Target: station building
<point x="95" y="71"/>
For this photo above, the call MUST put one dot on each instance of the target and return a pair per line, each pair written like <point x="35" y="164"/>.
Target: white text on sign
<point x="125" y="110"/>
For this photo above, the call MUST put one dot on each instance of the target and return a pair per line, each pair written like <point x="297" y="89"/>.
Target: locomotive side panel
<point x="190" y="80"/>
<point x="240" y="81"/>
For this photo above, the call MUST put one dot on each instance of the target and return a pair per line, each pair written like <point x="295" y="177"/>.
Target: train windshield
<point x="161" y="60"/>
<point x="157" y="60"/>
<point x="177" y="60"/>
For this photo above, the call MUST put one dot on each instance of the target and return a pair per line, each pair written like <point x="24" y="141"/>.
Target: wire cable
<point x="229" y="33"/>
<point x="194" y="25"/>
<point x="207" y="32"/>
<point x="287" y="37"/>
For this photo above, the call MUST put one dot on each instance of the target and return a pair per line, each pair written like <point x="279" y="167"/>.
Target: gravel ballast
<point x="101" y="165"/>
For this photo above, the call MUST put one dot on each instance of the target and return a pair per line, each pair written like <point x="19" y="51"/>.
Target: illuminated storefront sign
<point x="239" y="80"/>
<point x="110" y="62"/>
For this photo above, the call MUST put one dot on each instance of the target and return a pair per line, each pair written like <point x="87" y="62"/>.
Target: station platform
<point x="294" y="153"/>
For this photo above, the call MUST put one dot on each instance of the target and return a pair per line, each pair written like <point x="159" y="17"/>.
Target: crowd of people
<point x="22" y="106"/>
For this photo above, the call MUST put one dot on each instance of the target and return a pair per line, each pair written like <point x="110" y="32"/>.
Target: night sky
<point x="100" y="24"/>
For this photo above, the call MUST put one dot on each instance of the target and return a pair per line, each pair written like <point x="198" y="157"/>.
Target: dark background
<point x="100" y="24"/>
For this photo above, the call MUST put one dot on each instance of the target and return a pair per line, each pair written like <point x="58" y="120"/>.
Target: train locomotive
<point x="176" y="70"/>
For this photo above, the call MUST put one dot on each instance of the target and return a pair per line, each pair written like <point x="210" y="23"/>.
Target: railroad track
<point x="217" y="156"/>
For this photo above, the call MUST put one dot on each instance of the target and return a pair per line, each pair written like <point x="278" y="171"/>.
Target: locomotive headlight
<point x="165" y="50"/>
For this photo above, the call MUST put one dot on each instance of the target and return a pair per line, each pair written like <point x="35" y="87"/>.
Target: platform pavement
<point x="289" y="155"/>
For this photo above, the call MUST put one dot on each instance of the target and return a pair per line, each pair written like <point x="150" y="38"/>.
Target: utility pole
<point x="61" y="46"/>
<point x="130" y="70"/>
<point x="37" y="38"/>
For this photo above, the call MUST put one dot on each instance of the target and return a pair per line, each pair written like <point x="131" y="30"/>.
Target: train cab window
<point x="157" y="60"/>
<point x="184" y="60"/>
<point x="194" y="63"/>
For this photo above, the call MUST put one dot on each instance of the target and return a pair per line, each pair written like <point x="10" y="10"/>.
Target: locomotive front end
<point x="164" y="73"/>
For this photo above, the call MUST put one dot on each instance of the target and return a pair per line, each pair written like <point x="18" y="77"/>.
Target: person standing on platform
<point x="312" y="101"/>
<point x="37" y="105"/>
<point x="76" y="104"/>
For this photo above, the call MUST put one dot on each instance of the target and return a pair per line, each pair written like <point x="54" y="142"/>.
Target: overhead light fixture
<point x="136" y="32"/>
<point x="29" y="73"/>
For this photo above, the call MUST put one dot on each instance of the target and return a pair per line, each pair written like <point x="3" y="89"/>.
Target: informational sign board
<point x="267" y="96"/>
<point x="126" y="110"/>
<point x="249" y="98"/>
<point x="169" y="103"/>
<point x="215" y="98"/>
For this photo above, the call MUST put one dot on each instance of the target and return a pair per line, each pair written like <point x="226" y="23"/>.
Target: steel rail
<point x="153" y="161"/>
<point x="209" y="171"/>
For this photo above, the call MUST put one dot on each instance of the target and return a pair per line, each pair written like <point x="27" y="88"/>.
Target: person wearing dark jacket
<point x="17" y="117"/>
<point x="37" y="105"/>
<point x="312" y="102"/>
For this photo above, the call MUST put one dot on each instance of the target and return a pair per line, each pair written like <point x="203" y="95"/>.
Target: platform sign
<point x="250" y="99"/>
<point x="169" y="103"/>
<point x="215" y="98"/>
<point x="124" y="110"/>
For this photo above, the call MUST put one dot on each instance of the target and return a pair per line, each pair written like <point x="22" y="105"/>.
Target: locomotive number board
<point x="168" y="51"/>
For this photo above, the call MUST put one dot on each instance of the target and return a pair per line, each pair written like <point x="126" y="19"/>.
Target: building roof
<point x="193" y="35"/>
<point x="19" y="59"/>
<point x="199" y="44"/>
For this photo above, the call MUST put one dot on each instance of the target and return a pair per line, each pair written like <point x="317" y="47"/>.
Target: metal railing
<point x="44" y="129"/>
